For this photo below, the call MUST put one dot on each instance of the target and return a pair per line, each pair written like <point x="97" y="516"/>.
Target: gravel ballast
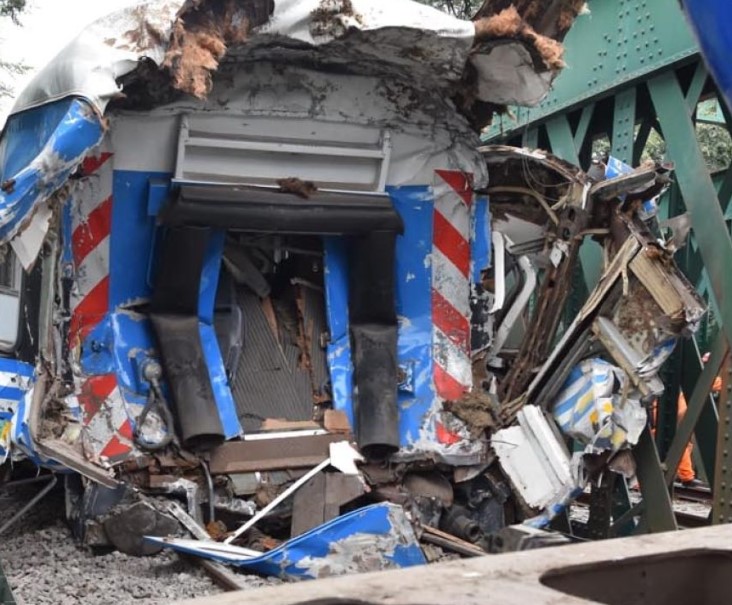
<point x="44" y="565"/>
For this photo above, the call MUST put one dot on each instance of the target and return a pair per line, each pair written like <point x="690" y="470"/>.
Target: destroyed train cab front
<point x="240" y="236"/>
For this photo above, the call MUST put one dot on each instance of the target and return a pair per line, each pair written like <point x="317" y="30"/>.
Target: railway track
<point x="690" y="521"/>
<point x="691" y="505"/>
<point x="693" y="494"/>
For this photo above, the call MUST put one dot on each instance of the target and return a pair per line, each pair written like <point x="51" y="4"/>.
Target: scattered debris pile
<point x="315" y="507"/>
<point x="300" y="314"/>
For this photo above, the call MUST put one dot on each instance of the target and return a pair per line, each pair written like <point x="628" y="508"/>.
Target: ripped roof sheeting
<point x="190" y="38"/>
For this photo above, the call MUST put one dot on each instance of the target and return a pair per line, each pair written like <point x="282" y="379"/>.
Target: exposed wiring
<point x="530" y="192"/>
<point x="152" y="373"/>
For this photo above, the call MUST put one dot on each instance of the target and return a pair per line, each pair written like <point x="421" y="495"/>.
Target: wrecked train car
<point x="241" y="234"/>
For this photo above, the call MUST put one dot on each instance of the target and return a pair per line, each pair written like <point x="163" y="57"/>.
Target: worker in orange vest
<point x="685" y="472"/>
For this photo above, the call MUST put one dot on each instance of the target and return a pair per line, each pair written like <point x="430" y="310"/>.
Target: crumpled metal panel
<point x="373" y="538"/>
<point x="40" y="150"/>
<point x="534" y="459"/>
<point x="425" y="429"/>
<point x="206" y="305"/>
<point x="112" y="47"/>
<point x="538" y="465"/>
<point x="16" y="378"/>
<point x="22" y="443"/>
<point x="598" y="407"/>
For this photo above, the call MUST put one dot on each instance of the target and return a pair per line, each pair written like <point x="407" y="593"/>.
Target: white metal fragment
<point x="535" y="461"/>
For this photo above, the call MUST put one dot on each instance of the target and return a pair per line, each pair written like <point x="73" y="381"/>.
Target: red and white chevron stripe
<point x="451" y="283"/>
<point x="91" y="227"/>
<point x="107" y="427"/>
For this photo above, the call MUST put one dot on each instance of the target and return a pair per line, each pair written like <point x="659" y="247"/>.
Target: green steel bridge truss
<point x="633" y="67"/>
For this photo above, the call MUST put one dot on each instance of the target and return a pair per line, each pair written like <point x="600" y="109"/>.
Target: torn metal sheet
<point x="640" y="307"/>
<point x="40" y="149"/>
<point x="369" y="539"/>
<point x="540" y="205"/>
<point x="24" y="444"/>
<point x="508" y="76"/>
<point x="537" y="463"/>
<point x="113" y="47"/>
<point x="599" y="408"/>
<point x="191" y="39"/>
<point x="16" y="378"/>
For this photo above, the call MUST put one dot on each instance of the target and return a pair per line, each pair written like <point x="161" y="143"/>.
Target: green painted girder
<point x="619" y="41"/>
<point x="700" y="195"/>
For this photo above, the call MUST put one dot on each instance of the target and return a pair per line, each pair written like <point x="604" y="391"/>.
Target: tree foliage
<point x="12" y="8"/>
<point x="714" y="142"/>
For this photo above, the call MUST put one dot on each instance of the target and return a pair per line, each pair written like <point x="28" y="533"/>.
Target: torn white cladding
<point x="597" y="407"/>
<point x="321" y="21"/>
<point x="27" y="244"/>
<point x="91" y="65"/>
<point x="534" y="459"/>
<point x="507" y="76"/>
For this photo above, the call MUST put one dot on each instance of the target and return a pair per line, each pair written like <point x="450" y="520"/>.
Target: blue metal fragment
<point x="40" y="150"/>
<point x="211" y="351"/>
<point x="415" y="204"/>
<point x="16" y="378"/>
<point x="373" y="538"/>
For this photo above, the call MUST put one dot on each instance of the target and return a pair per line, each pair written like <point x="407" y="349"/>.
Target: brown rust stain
<point x="304" y="337"/>
<point x="217" y="530"/>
